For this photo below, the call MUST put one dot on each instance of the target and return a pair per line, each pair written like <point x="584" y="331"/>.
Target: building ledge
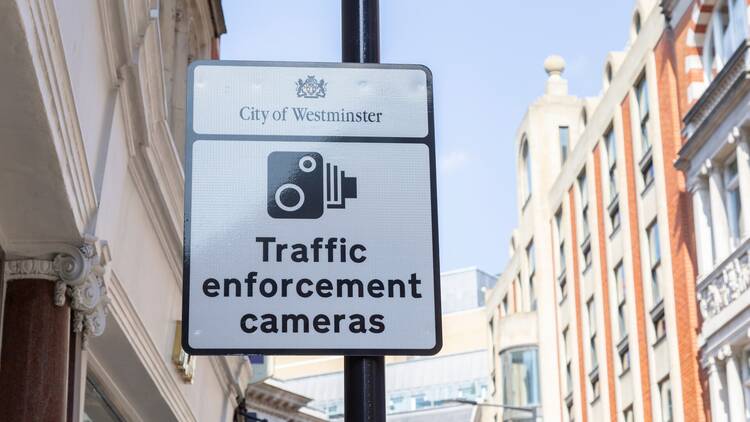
<point x="731" y="83"/>
<point x="723" y="286"/>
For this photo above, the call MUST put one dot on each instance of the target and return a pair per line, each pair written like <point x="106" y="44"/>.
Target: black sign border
<point x="191" y="136"/>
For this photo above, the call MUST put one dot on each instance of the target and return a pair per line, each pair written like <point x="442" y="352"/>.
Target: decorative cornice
<point x="699" y="184"/>
<point x="727" y="86"/>
<point x="78" y="273"/>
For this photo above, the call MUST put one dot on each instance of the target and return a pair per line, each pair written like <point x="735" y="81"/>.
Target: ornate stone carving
<point x="720" y="290"/>
<point x="715" y="94"/>
<point x="78" y="273"/>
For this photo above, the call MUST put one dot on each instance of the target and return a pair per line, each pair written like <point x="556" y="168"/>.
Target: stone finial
<point x="554" y="65"/>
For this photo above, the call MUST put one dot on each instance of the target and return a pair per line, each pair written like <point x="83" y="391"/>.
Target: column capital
<point x="711" y="365"/>
<point x="698" y="184"/>
<point x="734" y="135"/>
<point x="711" y="166"/>
<point x="78" y="273"/>
<point x="724" y="352"/>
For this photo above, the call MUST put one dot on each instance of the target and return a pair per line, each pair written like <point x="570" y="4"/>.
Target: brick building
<point x="642" y="308"/>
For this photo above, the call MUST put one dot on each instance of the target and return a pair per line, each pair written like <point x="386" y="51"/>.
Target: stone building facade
<point x="91" y="181"/>
<point x="712" y="60"/>
<point x="630" y="257"/>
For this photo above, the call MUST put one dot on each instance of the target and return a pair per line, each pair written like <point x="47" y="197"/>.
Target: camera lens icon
<point x="298" y="186"/>
<point x="296" y="189"/>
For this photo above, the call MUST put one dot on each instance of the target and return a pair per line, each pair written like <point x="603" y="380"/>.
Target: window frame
<point x="610" y="142"/>
<point x="621" y="299"/>
<point x="535" y="369"/>
<point x="564" y="146"/>
<point x="720" y="41"/>
<point x="591" y="320"/>
<point x="732" y="196"/>
<point x="654" y="254"/>
<point x="526" y="166"/>
<point x="531" y="262"/>
<point x="665" y="397"/>
<point x="644" y="112"/>
<point x="568" y="360"/>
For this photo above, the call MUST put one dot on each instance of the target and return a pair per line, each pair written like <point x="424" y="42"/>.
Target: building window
<point x="595" y="386"/>
<point x="660" y="325"/>
<point x="560" y="241"/>
<point x="586" y="243"/>
<point x="571" y="411"/>
<point x="614" y="216"/>
<point x="96" y="406"/>
<point x="526" y="166"/>
<point x="562" y="281"/>
<point x="624" y="354"/>
<point x="621" y="300"/>
<point x="737" y="229"/>
<point x="583" y="192"/>
<point x="504" y="306"/>
<point x="591" y="311"/>
<point x="641" y="92"/>
<point x="725" y="33"/>
<point x="647" y="171"/>
<point x="567" y="358"/>
<point x="627" y="415"/>
<point x="563" y="258"/>
<point x="421" y="402"/>
<point x="665" y="395"/>
<point x="530" y="258"/>
<point x="520" y="377"/>
<point x="564" y="134"/>
<point x="587" y="255"/>
<point x="654" y="250"/>
<point x="613" y="207"/>
<point x="396" y="403"/>
<point x="518" y="295"/>
<point x="612" y="163"/>
<point x="637" y="23"/>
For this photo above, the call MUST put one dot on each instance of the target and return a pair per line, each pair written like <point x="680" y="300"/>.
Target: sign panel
<point x="310" y="210"/>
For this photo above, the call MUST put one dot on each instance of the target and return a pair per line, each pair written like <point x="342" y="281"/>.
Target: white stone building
<point x="92" y="98"/>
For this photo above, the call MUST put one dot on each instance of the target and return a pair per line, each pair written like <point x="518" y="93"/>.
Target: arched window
<point x="526" y="169"/>
<point x="637" y="23"/>
<point x="726" y="31"/>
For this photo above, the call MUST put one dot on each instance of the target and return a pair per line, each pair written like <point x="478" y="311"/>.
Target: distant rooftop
<point x="464" y="288"/>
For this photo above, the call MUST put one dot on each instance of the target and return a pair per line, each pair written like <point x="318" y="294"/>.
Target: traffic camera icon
<point x="301" y="185"/>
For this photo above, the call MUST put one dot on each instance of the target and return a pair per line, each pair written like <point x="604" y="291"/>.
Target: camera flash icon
<point x="301" y="185"/>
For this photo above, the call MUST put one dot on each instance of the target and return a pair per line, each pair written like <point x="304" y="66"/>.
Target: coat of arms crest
<point x="311" y="87"/>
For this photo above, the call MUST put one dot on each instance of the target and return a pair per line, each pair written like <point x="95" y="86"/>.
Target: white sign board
<point x="310" y="210"/>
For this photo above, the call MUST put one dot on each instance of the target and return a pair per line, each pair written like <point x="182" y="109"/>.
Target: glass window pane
<point x="642" y="98"/>
<point x="520" y="377"/>
<point x="530" y="257"/>
<point x="583" y="188"/>
<point x="653" y="243"/>
<point x="564" y="142"/>
<point x="611" y="148"/>
<point x="96" y="408"/>
<point x="527" y="169"/>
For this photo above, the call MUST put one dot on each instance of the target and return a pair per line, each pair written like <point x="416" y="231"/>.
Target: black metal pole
<point x="364" y="376"/>
<point x="360" y="31"/>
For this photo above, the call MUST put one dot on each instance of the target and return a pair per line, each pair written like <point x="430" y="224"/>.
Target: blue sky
<point x="486" y="57"/>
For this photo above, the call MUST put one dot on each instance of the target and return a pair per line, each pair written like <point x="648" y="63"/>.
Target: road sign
<point x="310" y="210"/>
